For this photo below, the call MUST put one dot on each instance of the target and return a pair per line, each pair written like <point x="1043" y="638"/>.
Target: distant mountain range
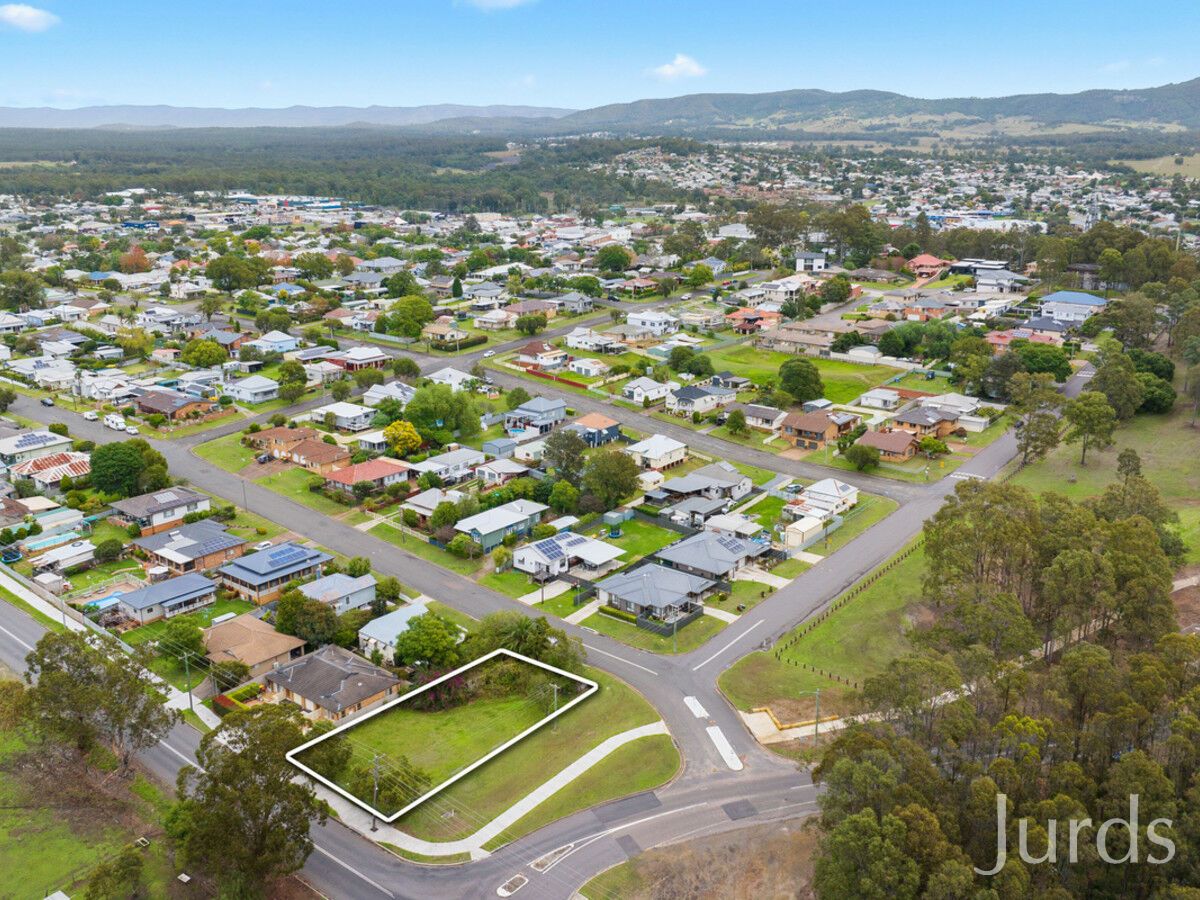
<point x="1171" y="107"/>
<point x="257" y="117"/>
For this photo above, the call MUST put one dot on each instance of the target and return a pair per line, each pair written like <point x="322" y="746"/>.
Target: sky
<point x="574" y="53"/>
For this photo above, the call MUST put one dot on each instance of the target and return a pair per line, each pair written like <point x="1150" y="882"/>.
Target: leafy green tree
<point x="610" y="476"/>
<point x="243" y="817"/>
<point x="530" y="323"/>
<point x="862" y="457"/>
<point x="699" y="275"/>
<point x="865" y="857"/>
<point x="518" y="396"/>
<point x="118" y="878"/>
<point x="210" y="305"/>
<point x="564" y="497"/>
<point x="203" y="354"/>
<point x="1157" y="395"/>
<point x="800" y="378"/>
<point x="181" y="634"/>
<point x="735" y="423"/>
<point x="21" y="291"/>
<point x="430" y="640"/>
<point x="565" y="455"/>
<point x="1045" y="358"/>
<point x="613" y="258"/>
<point x="116" y="468"/>
<point x="314" y="265"/>
<point x="438" y="413"/>
<point x="405" y="367"/>
<point x="1117" y="380"/>
<point x="1092" y="422"/>
<point x="234" y="273"/>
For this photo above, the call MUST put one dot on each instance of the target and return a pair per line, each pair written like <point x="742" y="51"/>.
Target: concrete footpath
<point x="360" y="820"/>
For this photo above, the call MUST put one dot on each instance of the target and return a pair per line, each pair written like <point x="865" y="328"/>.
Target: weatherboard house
<point x="262" y="576"/>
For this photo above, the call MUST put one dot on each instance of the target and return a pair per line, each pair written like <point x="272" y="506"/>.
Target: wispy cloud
<point x="1117" y="65"/>
<point x="682" y="66"/>
<point x="491" y="5"/>
<point x="24" y="17"/>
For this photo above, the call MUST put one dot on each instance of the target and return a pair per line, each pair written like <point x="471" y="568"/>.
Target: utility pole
<point x="187" y="675"/>
<point x="818" y="717"/>
<point x="374" y="790"/>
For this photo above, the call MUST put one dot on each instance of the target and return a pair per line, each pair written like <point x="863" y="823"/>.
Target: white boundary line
<point x="727" y="646"/>
<point x="592" y="687"/>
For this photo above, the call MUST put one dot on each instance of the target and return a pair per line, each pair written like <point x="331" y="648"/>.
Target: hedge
<point x="474" y="341"/>
<point x="618" y="614"/>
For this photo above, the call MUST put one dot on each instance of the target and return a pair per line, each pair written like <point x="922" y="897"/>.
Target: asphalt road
<point x="707" y="796"/>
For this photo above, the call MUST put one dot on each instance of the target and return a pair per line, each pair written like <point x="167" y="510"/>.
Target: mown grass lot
<point x="492" y="788"/>
<point x="688" y="638"/>
<point x="855" y="642"/>
<point x="1167" y="445"/>
<point x="870" y="509"/>
<point x="844" y="381"/>
<point x="227" y="452"/>
<point x="511" y="583"/>
<point x="638" y="539"/>
<point x="293" y="483"/>
<point x="418" y="546"/>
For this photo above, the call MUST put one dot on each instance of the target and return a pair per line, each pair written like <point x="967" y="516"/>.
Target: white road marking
<point x="583" y="842"/>
<point x="15" y="638"/>
<point x="621" y="658"/>
<point x="379" y="887"/>
<point x="727" y="646"/>
<point x="694" y="705"/>
<point x="190" y="762"/>
<point x="724" y="748"/>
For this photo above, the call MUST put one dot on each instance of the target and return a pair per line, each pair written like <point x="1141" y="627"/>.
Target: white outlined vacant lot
<point x="590" y="687"/>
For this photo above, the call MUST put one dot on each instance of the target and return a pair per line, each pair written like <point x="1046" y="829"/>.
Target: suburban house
<point x="252" y="642"/>
<point x="698" y="399"/>
<point x="655" y="592"/>
<point x="454" y="379"/>
<point x="342" y="592"/>
<point x="657" y="452"/>
<point x="1071" y="306"/>
<point x="497" y="472"/>
<point x="391" y="390"/>
<point x="424" y="503"/>
<point x="253" y="389"/>
<point x="444" y="332"/>
<point x="318" y="456"/>
<point x="382" y="633"/>
<point x="592" y="341"/>
<point x="64" y="557"/>
<point x="331" y="683"/>
<point x="823" y="498"/>
<point x="880" y="398"/>
<point x="173" y="404"/>
<point x="379" y="473"/>
<point x="539" y="354"/>
<point x="279" y="441"/>
<point x="195" y="547"/>
<point x="355" y="359"/>
<point x="455" y="465"/>
<point x="533" y="308"/>
<point x="555" y="555"/>
<point x="931" y="421"/>
<point x="654" y="321"/>
<point x="893" y="446"/>
<point x="926" y="265"/>
<point x="536" y="415"/>
<point x="759" y="417"/>
<point x="781" y="290"/>
<point x="346" y="416"/>
<point x="47" y="472"/>
<point x="159" y="510"/>
<point x="810" y="262"/>
<point x="275" y="342"/>
<point x="490" y="527"/>
<point x="719" y="480"/>
<point x="165" y="599"/>
<point x="596" y="429"/>
<point x="588" y="368"/>
<point x="813" y="430"/>
<point x="749" y="320"/>
<point x="710" y="555"/>
<point x="573" y="302"/>
<point x="262" y="576"/>
<point x="641" y="389"/>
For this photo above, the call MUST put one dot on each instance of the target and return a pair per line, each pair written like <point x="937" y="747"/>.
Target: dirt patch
<point x="763" y="862"/>
<point x="794" y="453"/>
<point x="789" y="710"/>
<point x="258" y="470"/>
<point x="1187" y="609"/>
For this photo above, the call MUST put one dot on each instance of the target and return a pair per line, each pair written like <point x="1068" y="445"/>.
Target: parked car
<point x="488" y="354"/>
<point x="131" y="429"/>
<point x="47" y="401"/>
<point x="112" y="420"/>
<point x="262" y="458"/>
<point x="92" y="416"/>
<point x="263" y="545"/>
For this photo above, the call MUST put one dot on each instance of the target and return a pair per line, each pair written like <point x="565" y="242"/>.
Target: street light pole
<point x="374" y="790"/>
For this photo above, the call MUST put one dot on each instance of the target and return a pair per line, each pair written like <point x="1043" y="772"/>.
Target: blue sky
<point x="574" y="53"/>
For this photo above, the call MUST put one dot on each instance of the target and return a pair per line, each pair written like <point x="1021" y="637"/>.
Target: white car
<point x="131" y="429"/>
<point x="263" y="545"/>
<point x="92" y="416"/>
<point x="488" y="354"/>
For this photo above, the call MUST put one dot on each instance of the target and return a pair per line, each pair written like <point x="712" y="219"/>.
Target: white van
<point x="112" y="420"/>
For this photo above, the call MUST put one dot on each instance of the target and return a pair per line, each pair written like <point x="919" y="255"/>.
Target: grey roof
<point x="388" y="627"/>
<point x="191" y="541"/>
<point x="172" y="592"/>
<point x="336" y="586"/>
<point x="709" y="552"/>
<point x="158" y="501"/>
<point x="279" y="561"/>
<point x="332" y="678"/>
<point x="927" y="416"/>
<point x="654" y="586"/>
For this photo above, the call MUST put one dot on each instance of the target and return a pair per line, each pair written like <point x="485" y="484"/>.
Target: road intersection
<point x="728" y="779"/>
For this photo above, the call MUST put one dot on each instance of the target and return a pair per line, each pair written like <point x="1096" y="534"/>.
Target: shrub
<point x="615" y="613"/>
<point x="107" y="551"/>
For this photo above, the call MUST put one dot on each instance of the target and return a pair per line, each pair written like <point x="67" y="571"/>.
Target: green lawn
<point x="689" y="637"/>
<point x="37" y="615"/>
<point x="227" y="452"/>
<point x="1167" y="446"/>
<point x="790" y="568"/>
<point x="916" y="381"/>
<point x="491" y="789"/>
<point x="640" y="765"/>
<point x="855" y="642"/>
<point x="186" y="430"/>
<point x="844" y="381"/>
<point x="202" y="617"/>
<point x="912" y="470"/>
<point x="870" y="509"/>
<point x="293" y="484"/>
<point x="103" y="572"/>
<point x="511" y="583"/>
<point x="639" y="539"/>
<point x="40" y="851"/>
<point x="744" y="593"/>
<point x="562" y="605"/>
<point x="766" y="511"/>
<point x="950" y="281"/>
<point x="420" y="547"/>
